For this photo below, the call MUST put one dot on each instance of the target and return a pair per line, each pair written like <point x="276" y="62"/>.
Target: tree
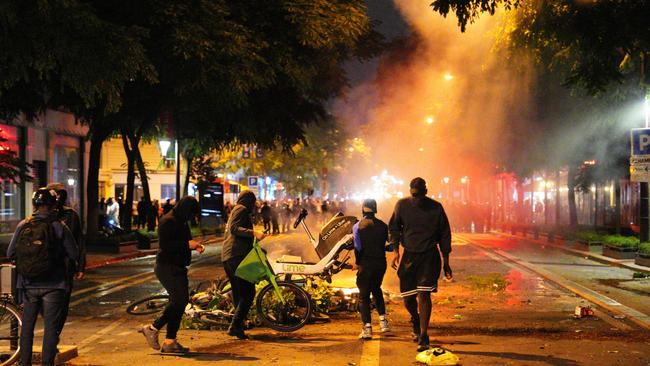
<point x="595" y="44"/>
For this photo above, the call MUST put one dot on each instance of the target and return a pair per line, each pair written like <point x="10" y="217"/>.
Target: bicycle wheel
<point x="289" y="316"/>
<point x="10" y="323"/>
<point x="148" y="305"/>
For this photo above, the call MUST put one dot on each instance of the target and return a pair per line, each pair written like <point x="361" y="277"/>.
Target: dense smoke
<point x="443" y="103"/>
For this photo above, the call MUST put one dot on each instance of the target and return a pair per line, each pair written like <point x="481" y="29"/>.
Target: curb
<point x="122" y="258"/>
<point x="640" y="319"/>
<point x="139" y="254"/>
<point x="594" y="256"/>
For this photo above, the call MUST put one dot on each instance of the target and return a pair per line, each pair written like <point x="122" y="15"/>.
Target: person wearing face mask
<point x="238" y="241"/>
<point x="173" y="258"/>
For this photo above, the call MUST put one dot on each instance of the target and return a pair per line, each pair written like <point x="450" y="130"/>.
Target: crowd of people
<point x="49" y="251"/>
<point x="144" y="214"/>
<point x="418" y="224"/>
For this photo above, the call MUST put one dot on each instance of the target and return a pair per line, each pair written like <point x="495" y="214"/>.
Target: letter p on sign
<point x="644" y="141"/>
<point x="640" y="142"/>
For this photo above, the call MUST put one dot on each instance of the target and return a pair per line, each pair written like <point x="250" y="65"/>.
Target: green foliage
<point x="588" y="236"/>
<point x="620" y="241"/>
<point x="640" y="275"/>
<point x="321" y="293"/>
<point x="490" y="282"/>
<point x="467" y="11"/>
<point x="644" y="248"/>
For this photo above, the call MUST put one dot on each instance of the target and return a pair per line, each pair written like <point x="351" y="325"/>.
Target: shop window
<point x="66" y="170"/>
<point x="167" y="191"/>
<point x="10" y="200"/>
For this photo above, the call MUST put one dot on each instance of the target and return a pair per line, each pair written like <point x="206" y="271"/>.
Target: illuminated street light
<point x="446" y="180"/>
<point x="351" y="149"/>
<point x="449" y="76"/>
<point x="164" y="147"/>
<point x="463" y="180"/>
<point x="430" y="120"/>
<point x="421" y="149"/>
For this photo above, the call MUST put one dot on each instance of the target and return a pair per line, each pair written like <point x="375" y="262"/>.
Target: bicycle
<point x="282" y="304"/>
<point x="11" y="319"/>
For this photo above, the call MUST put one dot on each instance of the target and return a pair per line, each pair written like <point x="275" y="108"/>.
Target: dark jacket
<point x="419" y="223"/>
<point x="265" y="211"/>
<point x="239" y="234"/>
<point x="174" y="234"/>
<point x="58" y="279"/>
<point x="71" y="219"/>
<point x="370" y="237"/>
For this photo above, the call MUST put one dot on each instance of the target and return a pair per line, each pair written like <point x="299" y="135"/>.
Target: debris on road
<point x="619" y="316"/>
<point x="583" y="312"/>
<point x="437" y="357"/>
<point x="458" y="317"/>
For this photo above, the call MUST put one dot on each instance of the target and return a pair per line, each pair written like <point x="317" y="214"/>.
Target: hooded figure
<point x="174" y="256"/>
<point x="237" y="243"/>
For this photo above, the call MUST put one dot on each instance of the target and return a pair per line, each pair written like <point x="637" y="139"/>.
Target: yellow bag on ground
<point x="437" y="357"/>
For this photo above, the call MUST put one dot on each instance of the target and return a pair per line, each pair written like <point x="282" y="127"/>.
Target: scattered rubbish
<point x="437" y="357"/>
<point x="640" y="275"/>
<point x="578" y="331"/>
<point x="612" y="351"/>
<point x="458" y="317"/>
<point x="583" y="312"/>
<point x="619" y="316"/>
<point x="352" y="364"/>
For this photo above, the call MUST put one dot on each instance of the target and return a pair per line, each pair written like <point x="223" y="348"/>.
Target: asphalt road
<point x="529" y="322"/>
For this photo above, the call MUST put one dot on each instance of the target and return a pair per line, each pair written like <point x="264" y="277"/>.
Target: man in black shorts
<point x="421" y="226"/>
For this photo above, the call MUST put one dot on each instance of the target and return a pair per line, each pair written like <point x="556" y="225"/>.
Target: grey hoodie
<point x="239" y="234"/>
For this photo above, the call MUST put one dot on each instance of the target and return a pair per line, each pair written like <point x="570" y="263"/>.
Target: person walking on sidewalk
<point x="74" y="268"/>
<point x="238" y="241"/>
<point x="370" y="238"/>
<point x="173" y="258"/>
<point x="265" y="212"/>
<point x="40" y="246"/>
<point x="421" y="226"/>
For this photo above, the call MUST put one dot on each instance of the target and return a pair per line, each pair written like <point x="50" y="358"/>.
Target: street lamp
<point x="164" y="148"/>
<point x="429" y="120"/>
<point x="448" y="76"/>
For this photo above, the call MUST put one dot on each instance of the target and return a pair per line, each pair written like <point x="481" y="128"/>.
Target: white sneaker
<point x="384" y="327"/>
<point x="366" y="332"/>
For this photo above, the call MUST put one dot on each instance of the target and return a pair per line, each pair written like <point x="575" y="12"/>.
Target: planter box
<point x="588" y="246"/>
<point x="619" y="253"/>
<point x="642" y="260"/>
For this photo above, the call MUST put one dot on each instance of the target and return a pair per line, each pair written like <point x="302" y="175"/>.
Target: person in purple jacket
<point x="42" y="282"/>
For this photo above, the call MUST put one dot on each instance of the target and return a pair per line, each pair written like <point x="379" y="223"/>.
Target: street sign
<point x="640" y="138"/>
<point x="253" y="181"/>
<point x="640" y="155"/>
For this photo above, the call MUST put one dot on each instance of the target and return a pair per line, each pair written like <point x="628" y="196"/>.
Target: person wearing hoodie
<point x="173" y="258"/>
<point x="421" y="226"/>
<point x="238" y="241"/>
<point x="370" y="238"/>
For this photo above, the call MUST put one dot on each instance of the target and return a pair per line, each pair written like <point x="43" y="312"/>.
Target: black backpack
<point x="36" y="249"/>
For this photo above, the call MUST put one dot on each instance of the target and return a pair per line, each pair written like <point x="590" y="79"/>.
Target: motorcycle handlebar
<point x="301" y="216"/>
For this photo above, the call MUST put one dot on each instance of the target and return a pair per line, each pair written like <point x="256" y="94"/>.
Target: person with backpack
<point x="420" y="225"/>
<point x="370" y="238"/>
<point x="40" y="247"/>
<point x="71" y="219"/>
<point x="173" y="258"/>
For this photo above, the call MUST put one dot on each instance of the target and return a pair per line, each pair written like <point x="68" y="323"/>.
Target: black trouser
<point x="267" y="225"/>
<point x="50" y="301"/>
<point x="174" y="280"/>
<point x="243" y="292"/>
<point x="369" y="278"/>
<point x="66" y="304"/>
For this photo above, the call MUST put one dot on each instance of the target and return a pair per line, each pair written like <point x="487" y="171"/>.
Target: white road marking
<point x="88" y="341"/>
<point x="370" y="352"/>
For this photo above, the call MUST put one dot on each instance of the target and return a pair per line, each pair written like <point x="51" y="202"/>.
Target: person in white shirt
<point x="113" y="212"/>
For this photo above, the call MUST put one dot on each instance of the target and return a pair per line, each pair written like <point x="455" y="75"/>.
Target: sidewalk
<point x="561" y="244"/>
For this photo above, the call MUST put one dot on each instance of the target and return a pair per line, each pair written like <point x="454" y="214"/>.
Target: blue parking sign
<point x="640" y="139"/>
